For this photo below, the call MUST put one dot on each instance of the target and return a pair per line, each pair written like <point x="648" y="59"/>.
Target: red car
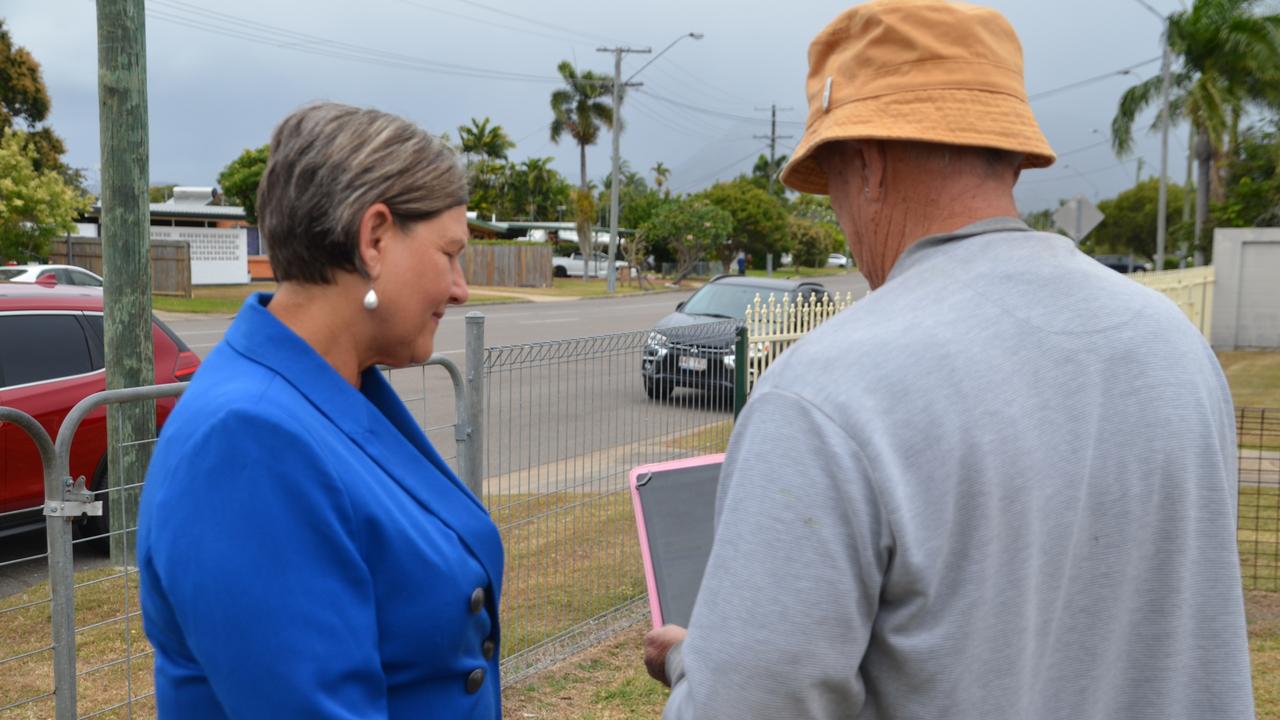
<point x="51" y="357"/>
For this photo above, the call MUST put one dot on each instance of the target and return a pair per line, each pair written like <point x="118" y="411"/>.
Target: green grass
<point x="576" y="287"/>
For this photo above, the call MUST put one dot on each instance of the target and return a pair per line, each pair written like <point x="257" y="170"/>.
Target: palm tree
<point x="661" y="174"/>
<point x="581" y="109"/>
<point x="1229" y="59"/>
<point x="485" y="140"/>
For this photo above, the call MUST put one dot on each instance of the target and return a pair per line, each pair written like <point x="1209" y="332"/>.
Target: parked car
<point x="60" y="274"/>
<point x="1124" y="263"/>
<point x="693" y="347"/>
<point x="51" y="357"/>
<point x="838" y="260"/>
<point x="573" y="266"/>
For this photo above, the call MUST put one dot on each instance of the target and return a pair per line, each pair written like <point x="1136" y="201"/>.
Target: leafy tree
<point x="484" y="140"/>
<point x="160" y="193"/>
<point x="580" y="110"/>
<point x="25" y="105"/>
<point x="661" y="175"/>
<point x="759" y="219"/>
<point x="764" y="171"/>
<point x="1130" y="222"/>
<point x="1253" y="182"/>
<point x="813" y="241"/>
<point x="36" y="204"/>
<point x="692" y="228"/>
<point x="1041" y="220"/>
<point x="1229" y="57"/>
<point x="535" y="190"/>
<point x="239" y="180"/>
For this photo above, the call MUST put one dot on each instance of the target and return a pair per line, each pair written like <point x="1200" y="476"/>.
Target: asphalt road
<point x="566" y="417"/>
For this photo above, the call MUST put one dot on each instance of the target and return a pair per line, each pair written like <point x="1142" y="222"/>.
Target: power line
<point x="1089" y="81"/>
<point x="195" y="17"/>
<point x="563" y="36"/>
<point x="716" y="173"/>
<point x="534" y="21"/>
<point x="710" y="112"/>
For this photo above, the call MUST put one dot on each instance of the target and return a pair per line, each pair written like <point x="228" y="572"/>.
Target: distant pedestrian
<point x="936" y="505"/>
<point x="742" y="263"/>
<point x="304" y="551"/>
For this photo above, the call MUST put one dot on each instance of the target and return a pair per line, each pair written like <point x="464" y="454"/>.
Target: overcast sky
<point x="221" y="74"/>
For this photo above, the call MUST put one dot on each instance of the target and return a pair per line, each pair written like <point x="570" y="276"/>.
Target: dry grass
<point x="112" y="654"/>
<point x="606" y="682"/>
<point x="1254" y="377"/>
<point x="570" y="556"/>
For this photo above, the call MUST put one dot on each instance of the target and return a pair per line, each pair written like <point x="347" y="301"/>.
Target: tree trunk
<point x="1204" y="167"/>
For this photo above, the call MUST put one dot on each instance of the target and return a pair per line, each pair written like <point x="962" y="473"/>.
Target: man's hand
<point x="656" y="646"/>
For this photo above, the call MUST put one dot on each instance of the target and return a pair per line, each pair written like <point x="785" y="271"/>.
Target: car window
<point x="8" y="273"/>
<point x="730" y="301"/>
<point x="53" y="346"/>
<point x="84" y="279"/>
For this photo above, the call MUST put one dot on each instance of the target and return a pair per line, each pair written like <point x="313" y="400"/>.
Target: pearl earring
<point x="371" y="300"/>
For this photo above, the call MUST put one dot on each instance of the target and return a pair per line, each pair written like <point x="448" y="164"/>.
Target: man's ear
<point x="874" y="165"/>
<point x="376" y="225"/>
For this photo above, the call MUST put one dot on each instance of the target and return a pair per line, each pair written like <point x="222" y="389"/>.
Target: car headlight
<point x="657" y="343"/>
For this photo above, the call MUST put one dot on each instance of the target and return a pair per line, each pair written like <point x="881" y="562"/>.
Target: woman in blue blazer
<point x="304" y="551"/>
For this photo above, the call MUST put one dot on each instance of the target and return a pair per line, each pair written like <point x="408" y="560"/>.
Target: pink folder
<point x="675" y="538"/>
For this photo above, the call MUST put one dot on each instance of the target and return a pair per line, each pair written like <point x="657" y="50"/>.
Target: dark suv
<point x="51" y="357"/>
<point x="693" y="347"/>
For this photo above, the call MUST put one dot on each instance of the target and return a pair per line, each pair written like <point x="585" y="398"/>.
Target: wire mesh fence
<point x="1258" y="518"/>
<point x="565" y="423"/>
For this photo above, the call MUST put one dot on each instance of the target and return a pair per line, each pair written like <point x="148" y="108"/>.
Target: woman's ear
<point x="375" y="231"/>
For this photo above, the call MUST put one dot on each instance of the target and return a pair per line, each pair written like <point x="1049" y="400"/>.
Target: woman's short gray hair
<point x="328" y="163"/>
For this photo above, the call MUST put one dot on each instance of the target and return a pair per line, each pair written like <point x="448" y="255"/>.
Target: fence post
<point x="473" y="463"/>
<point x="740" y="371"/>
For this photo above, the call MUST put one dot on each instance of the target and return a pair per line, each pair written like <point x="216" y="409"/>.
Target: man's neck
<point x="931" y="212"/>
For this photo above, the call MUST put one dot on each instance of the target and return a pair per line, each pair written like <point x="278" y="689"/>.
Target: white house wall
<point x="219" y="256"/>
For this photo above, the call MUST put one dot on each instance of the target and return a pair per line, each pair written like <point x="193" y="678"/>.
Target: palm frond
<point x="1132" y="103"/>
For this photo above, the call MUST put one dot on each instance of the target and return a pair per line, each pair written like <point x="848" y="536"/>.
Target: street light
<point x="617" y="131"/>
<point x="1162" y="205"/>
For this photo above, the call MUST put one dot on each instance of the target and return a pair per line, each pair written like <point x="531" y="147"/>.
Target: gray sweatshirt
<point x="1001" y="486"/>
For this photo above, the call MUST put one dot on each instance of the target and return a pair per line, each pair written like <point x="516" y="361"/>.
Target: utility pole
<point x="1162" y="204"/>
<point x="618" y="84"/>
<point x="773" y="137"/>
<point x="612" y="272"/>
<point x="1138" y="178"/>
<point x="126" y="257"/>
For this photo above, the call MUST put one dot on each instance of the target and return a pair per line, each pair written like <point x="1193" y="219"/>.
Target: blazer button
<point x="486" y="649"/>
<point x="477" y="600"/>
<point x="475" y="681"/>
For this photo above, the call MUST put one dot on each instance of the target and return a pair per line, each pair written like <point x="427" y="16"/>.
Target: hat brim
<point x="971" y="118"/>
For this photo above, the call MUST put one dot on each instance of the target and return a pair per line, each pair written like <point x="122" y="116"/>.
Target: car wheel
<point x="560" y="272"/>
<point x="657" y="390"/>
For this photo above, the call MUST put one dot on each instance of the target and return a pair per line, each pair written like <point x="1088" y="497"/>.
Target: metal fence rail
<point x="565" y="423"/>
<point x="73" y="646"/>
<point x="1258" y="518"/>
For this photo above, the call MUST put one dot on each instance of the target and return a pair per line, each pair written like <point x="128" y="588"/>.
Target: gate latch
<point x="77" y="500"/>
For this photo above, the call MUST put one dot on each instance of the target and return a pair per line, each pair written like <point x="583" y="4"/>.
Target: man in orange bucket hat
<point x="940" y="504"/>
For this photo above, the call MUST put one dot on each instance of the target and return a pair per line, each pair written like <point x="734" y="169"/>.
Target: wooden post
<point x="126" y="261"/>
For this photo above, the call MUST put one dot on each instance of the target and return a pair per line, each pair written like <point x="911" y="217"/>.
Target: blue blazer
<point x="305" y="553"/>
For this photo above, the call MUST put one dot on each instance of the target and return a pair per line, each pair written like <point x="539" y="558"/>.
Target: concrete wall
<point x="1247" y="302"/>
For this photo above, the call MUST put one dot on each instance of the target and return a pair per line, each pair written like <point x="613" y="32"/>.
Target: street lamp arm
<point x="694" y="35"/>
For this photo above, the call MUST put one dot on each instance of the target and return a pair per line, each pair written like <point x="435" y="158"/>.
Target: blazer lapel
<point x="376" y="421"/>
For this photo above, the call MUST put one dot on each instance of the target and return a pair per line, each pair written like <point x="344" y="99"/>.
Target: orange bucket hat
<point x="923" y="70"/>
